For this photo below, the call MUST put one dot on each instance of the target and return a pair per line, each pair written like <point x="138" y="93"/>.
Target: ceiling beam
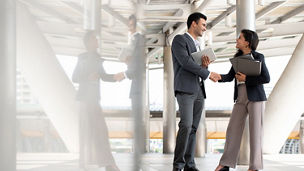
<point x="182" y="27"/>
<point x="289" y="15"/>
<point x="168" y="25"/>
<point x="202" y="6"/>
<point x="272" y="6"/>
<point x="166" y="7"/>
<point x="274" y="30"/>
<point x="266" y="52"/>
<point x="116" y="15"/>
<point x="75" y="30"/>
<point x="73" y="6"/>
<point x="160" y="38"/>
<point x="57" y="28"/>
<point x="221" y="17"/>
<point x="267" y="44"/>
<point x="105" y="8"/>
<point x="165" y="28"/>
<point x="231" y="9"/>
<point x="263" y="45"/>
<point x="78" y="43"/>
<point x="47" y="9"/>
<point x="154" y="52"/>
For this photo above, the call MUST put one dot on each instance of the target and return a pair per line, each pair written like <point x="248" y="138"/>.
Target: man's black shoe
<point x="176" y="169"/>
<point x="191" y="169"/>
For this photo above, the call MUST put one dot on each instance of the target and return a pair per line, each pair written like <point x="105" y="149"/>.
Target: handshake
<point x="119" y="76"/>
<point x="215" y="76"/>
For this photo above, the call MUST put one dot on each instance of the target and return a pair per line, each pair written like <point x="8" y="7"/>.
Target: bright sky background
<point x="219" y="95"/>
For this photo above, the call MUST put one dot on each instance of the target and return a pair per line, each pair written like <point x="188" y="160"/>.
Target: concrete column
<point x="302" y="135"/>
<point x="245" y="19"/>
<point x="169" y="110"/>
<point x="201" y="137"/>
<point x="245" y="15"/>
<point x="284" y="106"/>
<point x="141" y="121"/>
<point x="8" y="85"/>
<point x="92" y="15"/>
<point x="147" y="110"/>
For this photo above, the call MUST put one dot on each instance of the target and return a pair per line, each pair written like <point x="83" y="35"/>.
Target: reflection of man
<point x="136" y="62"/>
<point x="189" y="90"/>
<point x="136" y="72"/>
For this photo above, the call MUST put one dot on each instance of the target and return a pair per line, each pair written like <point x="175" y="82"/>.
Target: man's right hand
<point x="119" y="76"/>
<point x="215" y="76"/>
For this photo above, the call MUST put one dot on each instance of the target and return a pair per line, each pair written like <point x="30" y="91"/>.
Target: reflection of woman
<point x="94" y="143"/>
<point x="249" y="96"/>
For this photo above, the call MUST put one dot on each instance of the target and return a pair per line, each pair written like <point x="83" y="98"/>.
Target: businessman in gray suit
<point x="136" y="72"/>
<point x="189" y="90"/>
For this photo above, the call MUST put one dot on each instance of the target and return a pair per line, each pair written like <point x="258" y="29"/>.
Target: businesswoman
<point x="94" y="146"/>
<point x="249" y="97"/>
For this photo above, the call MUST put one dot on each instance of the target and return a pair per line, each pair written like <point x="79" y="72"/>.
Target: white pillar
<point x="169" y="110"/>
<point x="46" y="78"/>
<point x="141" y="121"/>
<point x="92" y="14"/>
<point x="302" y="136"/>
<point x="284" y="106"/>
<point x="245" y="14"/>
<point x="147" y="108"/>
<point x="8" y="85"/>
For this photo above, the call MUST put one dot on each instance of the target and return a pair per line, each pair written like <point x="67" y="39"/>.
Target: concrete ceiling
<point x="280" y="24"/>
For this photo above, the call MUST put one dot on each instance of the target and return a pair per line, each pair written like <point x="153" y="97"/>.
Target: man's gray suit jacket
<point x="186" y="71"/>
<point x="137" y="66"/>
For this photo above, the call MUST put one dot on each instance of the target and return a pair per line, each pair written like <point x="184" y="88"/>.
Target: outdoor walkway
<point x="152" y="162"/>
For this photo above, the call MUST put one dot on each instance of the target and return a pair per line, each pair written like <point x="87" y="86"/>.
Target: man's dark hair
<point x="195" y="17"/>
<point x="133" y="18"/>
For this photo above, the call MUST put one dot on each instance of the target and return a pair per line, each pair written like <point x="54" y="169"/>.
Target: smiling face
<point x="200" y="27"/>
<point x="132" y="26"/>
<point x="241" y="43"/>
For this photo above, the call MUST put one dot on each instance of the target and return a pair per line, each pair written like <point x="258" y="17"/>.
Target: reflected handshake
<point x="215" y="76"/>
<point x="119" y="76"/>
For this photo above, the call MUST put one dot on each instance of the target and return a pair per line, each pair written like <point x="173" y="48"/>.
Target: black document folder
<point x="246" y="65"/>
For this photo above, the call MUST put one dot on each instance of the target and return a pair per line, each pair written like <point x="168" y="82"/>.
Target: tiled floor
<point x="152" y="162"/>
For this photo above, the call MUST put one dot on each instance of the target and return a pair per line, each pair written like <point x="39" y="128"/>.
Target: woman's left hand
<point x="240" y="76"/>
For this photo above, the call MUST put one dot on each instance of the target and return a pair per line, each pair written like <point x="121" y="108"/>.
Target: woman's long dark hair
<point x="251" y="37"/>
